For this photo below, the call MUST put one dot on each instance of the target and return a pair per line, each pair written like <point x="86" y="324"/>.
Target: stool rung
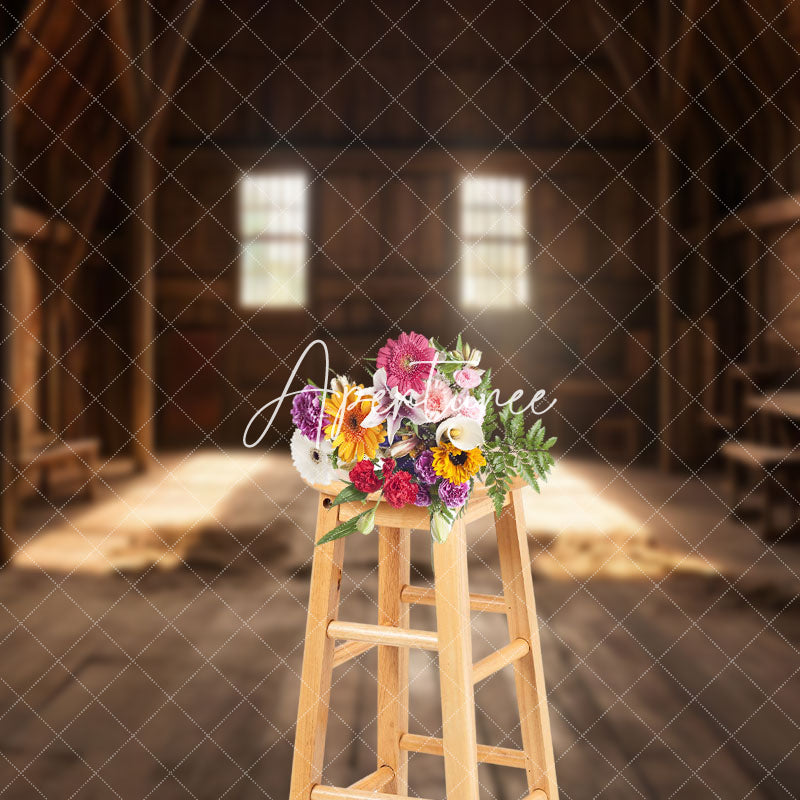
<point x="345" y="652"/>
<point x="477" y="602"/>
<point x="375" y="781"/>
<point x="383" y="634"/>
<point x="494" y="662"/>
<point x="502" y="756"/>
<point x="320" y="792"/>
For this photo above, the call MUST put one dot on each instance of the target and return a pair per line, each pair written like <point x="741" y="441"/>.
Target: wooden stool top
<point x="414" y="517"/>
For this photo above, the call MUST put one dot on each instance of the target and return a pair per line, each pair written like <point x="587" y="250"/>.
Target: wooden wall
<point x="386" y="133"/>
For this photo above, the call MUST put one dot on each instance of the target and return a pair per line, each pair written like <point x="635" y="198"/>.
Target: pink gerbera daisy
<point x="408" y="362"/>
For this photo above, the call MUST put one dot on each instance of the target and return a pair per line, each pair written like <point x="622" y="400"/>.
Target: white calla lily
<point x="463" y="432"/>
<point x="440" y="528"/>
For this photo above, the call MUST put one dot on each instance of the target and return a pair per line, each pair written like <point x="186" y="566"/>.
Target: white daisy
<point x="312" y="462"/>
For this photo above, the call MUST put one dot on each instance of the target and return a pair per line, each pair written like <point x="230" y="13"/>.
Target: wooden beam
<point x="96" y="192"/>
<point x="30" y="21"/>
<point x="631" y="89"/>
<point x="664" y="322"/>
<point x="30" y="223"/>
<point x="171" y="70"/>
<point x="745" y="99"/>
<point x="122" y="52"/>
<point x="145" y="171"/>
<point x="783" y="210"/>
<point x="55" y="29"/>
<point x="142" y="425"/>
<point x="7" y="247"/>
<point x="681" y="91"/>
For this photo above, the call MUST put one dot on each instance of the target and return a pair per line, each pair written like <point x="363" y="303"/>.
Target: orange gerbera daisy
<point x="347" y="409"/>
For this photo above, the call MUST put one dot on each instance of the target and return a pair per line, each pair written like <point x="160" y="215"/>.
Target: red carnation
<point x="364" y="478"/>
<point x="388" y="467"/>
<point x="400" y="490"/>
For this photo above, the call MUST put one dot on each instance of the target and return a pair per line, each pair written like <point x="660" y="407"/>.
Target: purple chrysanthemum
<point x="423" y="496"/>
<point x="423" y="466"/>
<point x="453" y="495"/>
<point x="306" y="412"/>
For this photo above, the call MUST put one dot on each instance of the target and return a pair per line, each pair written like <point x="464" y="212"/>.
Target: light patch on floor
<point x="584" y="533"/>
<point x="225" y="509"/>
<point x="150" y="519"/>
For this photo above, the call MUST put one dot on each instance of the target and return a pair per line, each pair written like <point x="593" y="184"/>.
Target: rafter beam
<point x="171" y="69"/>
<point x="619" y="61"/>
<point x="681" y="93"/>
<point x="55" y="29"/>
<point x="118" y="25"/>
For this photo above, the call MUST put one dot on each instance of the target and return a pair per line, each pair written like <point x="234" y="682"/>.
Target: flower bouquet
<point x="422" y="434"/>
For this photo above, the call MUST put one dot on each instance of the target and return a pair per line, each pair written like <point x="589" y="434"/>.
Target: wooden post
<point x="153" y="96"/>
<point x="663" y="254"/>
<point x="7" y="248"/>
<point x="455" y="665"/>
<point x="144" y="248"/>
<point x="394" y="572"/>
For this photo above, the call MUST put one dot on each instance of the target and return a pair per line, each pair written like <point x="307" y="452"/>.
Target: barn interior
<point x="602" y="196"/>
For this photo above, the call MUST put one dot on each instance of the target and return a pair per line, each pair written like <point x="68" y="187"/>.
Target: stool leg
<point x="315" y="687"/>
<point x="394" y="572"/>
<point x="455" y="666"/>
<point x="515" y="568"/>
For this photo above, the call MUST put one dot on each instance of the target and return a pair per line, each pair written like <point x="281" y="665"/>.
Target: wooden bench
<point x="776" y="469"/>
<point x="40" y="458"/>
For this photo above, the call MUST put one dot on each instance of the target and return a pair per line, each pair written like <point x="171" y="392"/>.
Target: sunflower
<point x="347" y="409"/>
<point x="456" y="466"/>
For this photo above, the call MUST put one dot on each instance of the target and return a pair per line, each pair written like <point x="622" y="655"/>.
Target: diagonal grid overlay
<point x="623" y="775"/>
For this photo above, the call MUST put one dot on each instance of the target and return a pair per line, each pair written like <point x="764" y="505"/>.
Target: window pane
<point x="494" y="262"/>
<point x="273" y="204"/>
<point x="273" y="217"/>
<point x="494" y="274"/>
<point x="273" y="274"/>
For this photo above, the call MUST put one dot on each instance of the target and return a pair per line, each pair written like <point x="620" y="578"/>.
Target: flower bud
<point x="403" y="447"/>
<point x="339" y="384"/>
<point x="474" y="358"/>
<point x="366" y="522"/>
<point x="440" y="528"/>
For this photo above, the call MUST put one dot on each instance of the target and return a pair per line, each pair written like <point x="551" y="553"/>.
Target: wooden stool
<point x="452" y="641"/>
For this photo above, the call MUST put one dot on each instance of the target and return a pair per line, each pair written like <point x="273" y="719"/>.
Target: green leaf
<point x="343" y="529"/>
<point x="348" y="495"/>
<point x="533" y="432"/>
<point x="489" y="422"/>
<point x="517" y="428"/>
<point x="550" y="442"/>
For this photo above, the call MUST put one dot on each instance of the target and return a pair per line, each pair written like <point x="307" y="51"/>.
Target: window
<point x="494" y="252"/>
<point x="274" y="245"/>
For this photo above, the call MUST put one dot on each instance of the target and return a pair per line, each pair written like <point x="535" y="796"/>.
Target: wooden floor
<point x="151" y="643"/>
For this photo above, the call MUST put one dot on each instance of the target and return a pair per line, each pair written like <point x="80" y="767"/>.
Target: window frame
<point x="513" y="285"/>
<point x="254" y="307"/>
